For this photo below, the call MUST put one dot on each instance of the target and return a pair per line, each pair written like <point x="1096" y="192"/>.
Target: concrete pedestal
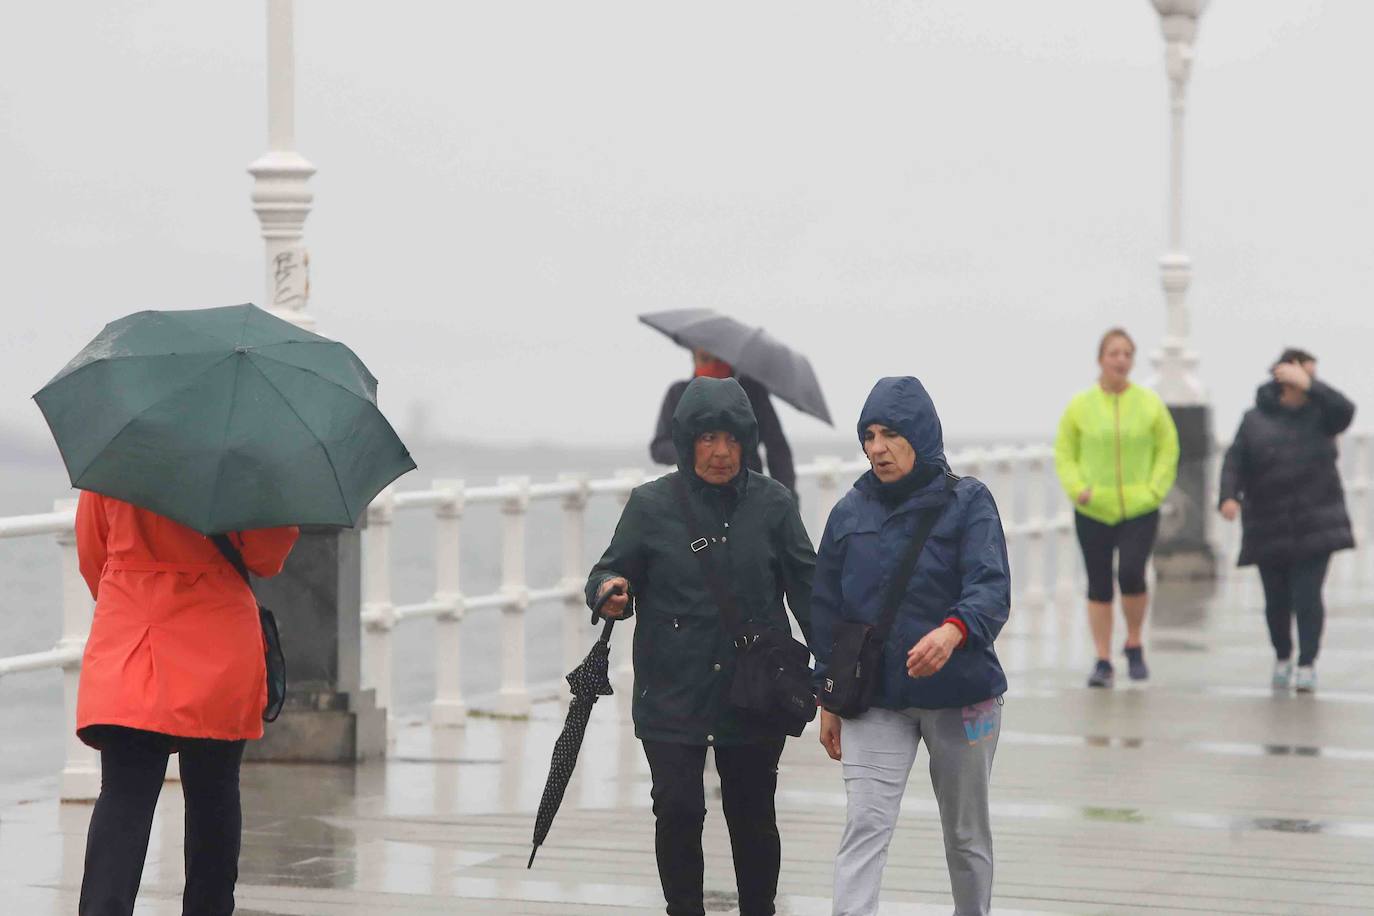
<point x="317" y="600"/>
<point x="1183" y="550"/>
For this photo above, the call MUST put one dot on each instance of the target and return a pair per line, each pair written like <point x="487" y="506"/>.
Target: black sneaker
<point x="1102" y="675"/>
<point x="1135" y="663"/>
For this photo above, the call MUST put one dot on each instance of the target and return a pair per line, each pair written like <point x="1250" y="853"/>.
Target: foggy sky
<point x="966" y="191"/>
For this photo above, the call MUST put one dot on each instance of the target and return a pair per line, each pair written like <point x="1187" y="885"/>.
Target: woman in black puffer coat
<point x="1281" y="477"/>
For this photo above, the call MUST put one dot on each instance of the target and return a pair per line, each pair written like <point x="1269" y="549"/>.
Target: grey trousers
<point x="878" y="750"/>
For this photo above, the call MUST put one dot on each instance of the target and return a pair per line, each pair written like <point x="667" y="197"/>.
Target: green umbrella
<point x="223" y="419"/>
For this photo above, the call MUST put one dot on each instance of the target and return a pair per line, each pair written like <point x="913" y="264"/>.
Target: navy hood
<point x="902" y="403"/>
<point x="708" y="404"/>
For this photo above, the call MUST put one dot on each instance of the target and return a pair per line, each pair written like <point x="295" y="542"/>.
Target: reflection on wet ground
<point x="1200" y="792"/>
<point x="1200" y="747"/>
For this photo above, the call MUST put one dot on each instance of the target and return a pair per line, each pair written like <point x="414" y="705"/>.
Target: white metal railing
<point x="81" y="771"/>
<point x="1038" y="523"/>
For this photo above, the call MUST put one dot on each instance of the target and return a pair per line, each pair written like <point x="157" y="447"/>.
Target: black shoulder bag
<point x="271" y="639"/>
<point x="772" y="683"/>
<point x="851" y="677"/>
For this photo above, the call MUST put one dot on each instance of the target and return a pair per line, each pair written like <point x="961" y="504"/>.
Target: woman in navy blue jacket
<point x="940" y="681"/>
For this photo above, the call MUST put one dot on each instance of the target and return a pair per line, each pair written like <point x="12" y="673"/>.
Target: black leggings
<point x="133" y="765"/>
<point x="748" y="781"/>
<point x="1295" y="589"/>
<point x="1133" y="539"/>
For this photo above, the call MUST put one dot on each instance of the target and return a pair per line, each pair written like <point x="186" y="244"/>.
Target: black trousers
<point x="1295" y="589"/>
<point x="1132" y="541"/>
<point x="133" y="765"/>
<point x="748" y="780"/>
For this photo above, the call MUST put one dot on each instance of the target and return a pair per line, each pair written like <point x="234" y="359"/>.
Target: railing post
<point x="1037" y="525"/>
<point x="1215" y="527"/>
<point x="514" y="699"/>
<point x="971" y="465"/>
<point x="81" y="772"/>
<point x="1004" y="464"/>
<point x="574" y="572"/>
<point x="379" y="613"/>
<point x="448" y="707"/>
<point x="621" y="645"/>
<point x="827" y="490"/>
<point x="1065" y="555"/>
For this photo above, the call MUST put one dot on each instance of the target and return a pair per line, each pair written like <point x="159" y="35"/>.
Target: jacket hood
<point x="902" y="403"/>
<point x="708" y="404"/>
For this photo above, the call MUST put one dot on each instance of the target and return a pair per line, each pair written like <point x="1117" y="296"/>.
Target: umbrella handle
<point x="601" y="602"/>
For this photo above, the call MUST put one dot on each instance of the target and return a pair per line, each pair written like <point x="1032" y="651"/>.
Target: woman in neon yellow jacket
<point x="1117" y="456"/>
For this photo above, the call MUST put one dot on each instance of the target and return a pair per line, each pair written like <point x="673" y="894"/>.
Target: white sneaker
<point x="1307" y="679"/>
<point x="1283" y="675"/>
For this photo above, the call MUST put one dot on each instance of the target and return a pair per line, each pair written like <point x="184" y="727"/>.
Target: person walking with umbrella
<point x="684" y="655"/>
<point x="1281" y="477"/>
<point x="173" y="664"/>
<point x="771" y="437"/>
<point x="200" y="439"/>
<point x="725" y="348"/>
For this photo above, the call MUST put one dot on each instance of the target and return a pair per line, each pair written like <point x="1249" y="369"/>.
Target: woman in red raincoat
<point x="174" y="663"/>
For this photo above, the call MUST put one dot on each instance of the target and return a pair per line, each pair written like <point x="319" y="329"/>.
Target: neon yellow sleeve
<point x="1066" y="454"/>
<point x="1165" y="469"/>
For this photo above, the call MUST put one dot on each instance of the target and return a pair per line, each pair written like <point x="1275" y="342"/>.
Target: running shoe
<point x="1283" y="674"/>
<point x="1306" y="680"/>
<point x="1102" y="675"/>
<point x="1135" y="663"/>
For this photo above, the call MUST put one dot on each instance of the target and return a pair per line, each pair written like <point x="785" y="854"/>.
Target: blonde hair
<point x="1107" y="338"/>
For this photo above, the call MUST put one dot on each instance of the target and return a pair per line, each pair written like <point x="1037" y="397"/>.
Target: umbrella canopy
<point x="223" y="419"/>
<point x="588" y="682"/>
<point x="751" y="351"/>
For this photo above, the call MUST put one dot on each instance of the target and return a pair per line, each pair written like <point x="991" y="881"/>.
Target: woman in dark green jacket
<point x="683" y="657"/>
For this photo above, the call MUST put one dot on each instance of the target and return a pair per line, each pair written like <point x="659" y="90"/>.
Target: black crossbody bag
<point x="851" y="677"/>
<point x="772" y="683"/>
<point x="271" y="639"/>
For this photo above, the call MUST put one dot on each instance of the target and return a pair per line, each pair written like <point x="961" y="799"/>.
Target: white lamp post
<point x="280" y="197"/>
<point x="1176" y="363"/>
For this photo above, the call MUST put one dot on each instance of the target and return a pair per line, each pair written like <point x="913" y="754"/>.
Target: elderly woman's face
<point x="888" y="451"/>
<point x="717" y="457"/>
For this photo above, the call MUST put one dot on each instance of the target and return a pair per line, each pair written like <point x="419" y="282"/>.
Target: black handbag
<point x="772" y="683"/>
<point x="851" y="677"/>
<point x="271" y="638"/>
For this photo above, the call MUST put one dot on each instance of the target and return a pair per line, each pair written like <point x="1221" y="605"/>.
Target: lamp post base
<point x="1184" y="550"/>
<point x="317" y="599"/>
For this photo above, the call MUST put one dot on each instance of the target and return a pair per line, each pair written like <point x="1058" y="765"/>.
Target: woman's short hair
<point x="1295" y="355"/>
<point x="1113" y="333"/>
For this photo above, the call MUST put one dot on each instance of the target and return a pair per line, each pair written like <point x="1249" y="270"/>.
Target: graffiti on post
<point x="291" y="278"/>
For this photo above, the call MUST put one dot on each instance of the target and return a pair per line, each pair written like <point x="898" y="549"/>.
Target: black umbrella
<point x="751" y="351"/>
<point x="588" y="682"/>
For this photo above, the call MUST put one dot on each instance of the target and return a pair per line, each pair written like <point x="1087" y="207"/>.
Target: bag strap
<point x="231" y="553"/>
<point x="901" y="576"/>
<point x="700" y="545"/>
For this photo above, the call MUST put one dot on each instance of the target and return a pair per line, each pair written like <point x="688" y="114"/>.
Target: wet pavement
<point x="1203" y="792"/>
